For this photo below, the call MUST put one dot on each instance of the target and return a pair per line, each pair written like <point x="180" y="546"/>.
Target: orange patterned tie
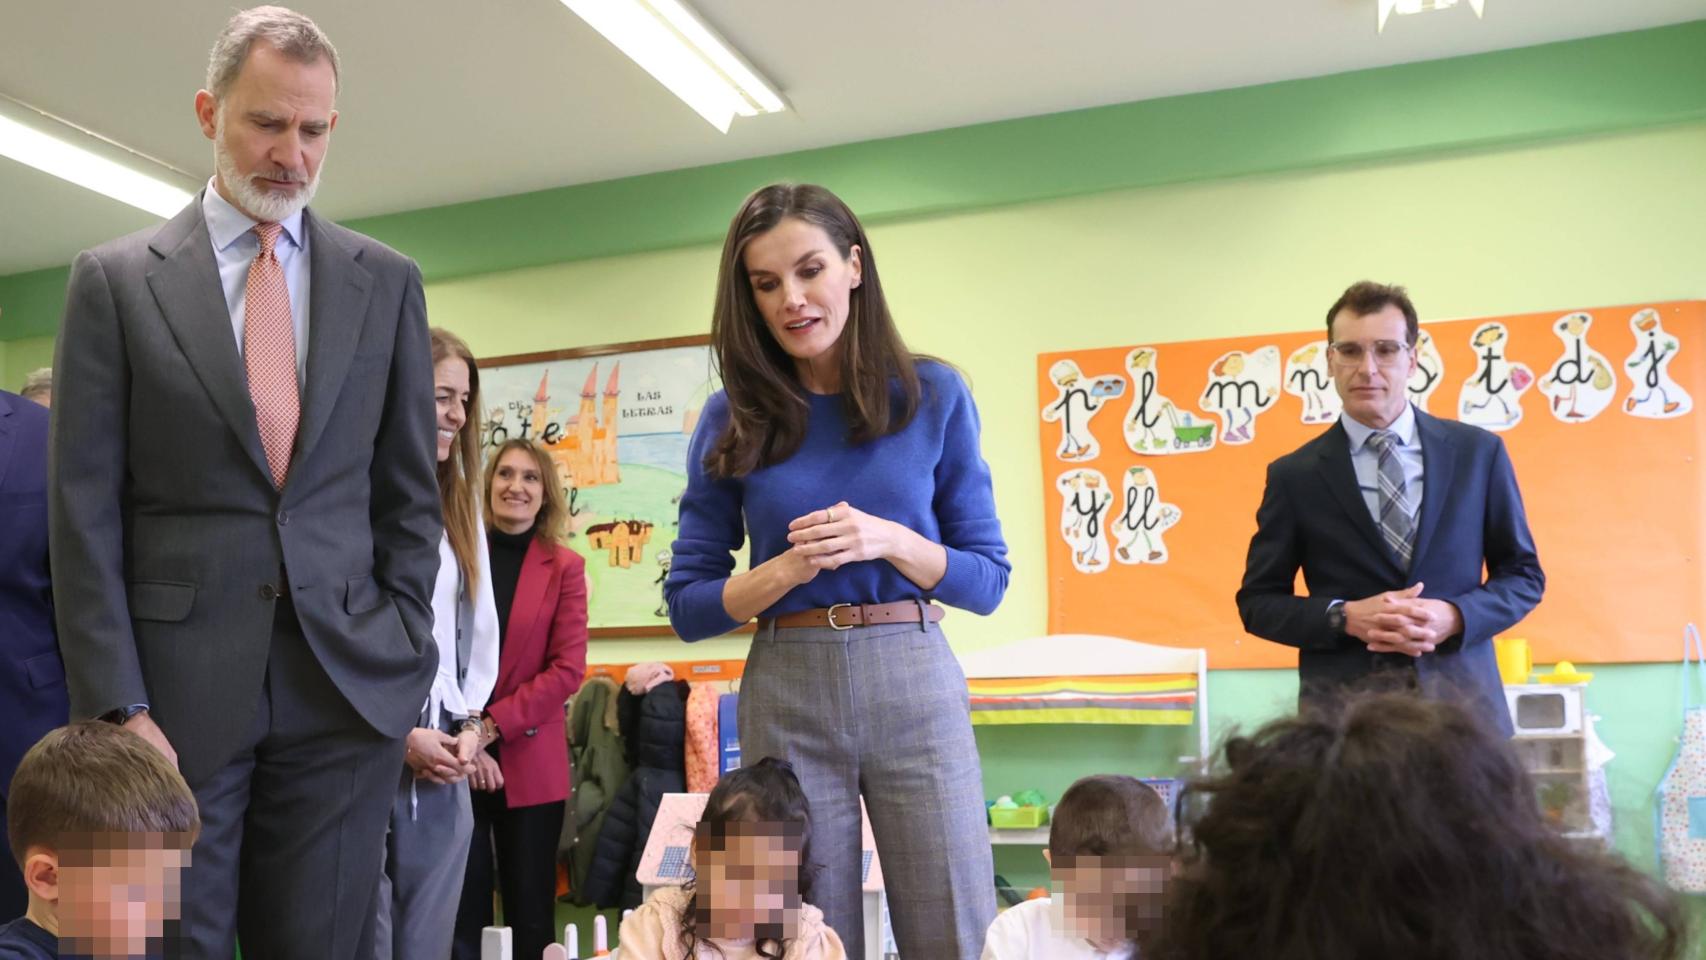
<point x="269" y="354"/>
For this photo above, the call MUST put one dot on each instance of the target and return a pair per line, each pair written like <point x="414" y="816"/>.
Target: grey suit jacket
<point x="170" y="544"/>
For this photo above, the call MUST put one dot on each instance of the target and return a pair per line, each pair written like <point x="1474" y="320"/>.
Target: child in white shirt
<point x="1109" y="852"/>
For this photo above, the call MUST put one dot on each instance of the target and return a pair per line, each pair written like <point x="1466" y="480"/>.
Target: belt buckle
<point x="830" y="614"/>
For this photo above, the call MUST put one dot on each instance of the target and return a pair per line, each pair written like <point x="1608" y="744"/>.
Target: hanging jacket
<point x="654" y="730"/>
<point x="596" y="757"/>
<point x="703" y="751"/>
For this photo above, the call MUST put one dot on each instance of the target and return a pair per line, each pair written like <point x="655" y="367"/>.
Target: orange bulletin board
<point x="1596" y="406"/>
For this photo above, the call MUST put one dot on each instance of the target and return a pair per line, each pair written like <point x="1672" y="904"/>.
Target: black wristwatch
<point x="121" y="715"/>
<point x="1336" y="617"/>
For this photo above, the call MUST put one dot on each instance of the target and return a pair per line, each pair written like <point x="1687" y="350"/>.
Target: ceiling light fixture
<point x="677" y="47"/>
<point x="1406" y="7"/>
<point x="54" y="146"/>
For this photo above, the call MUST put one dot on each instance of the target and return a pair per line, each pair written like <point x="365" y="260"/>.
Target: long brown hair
<point x="459" y="474"/>
<point x="551" y="525"/>
<point x="767" y="404"/>
<point x="1396" y="826"/>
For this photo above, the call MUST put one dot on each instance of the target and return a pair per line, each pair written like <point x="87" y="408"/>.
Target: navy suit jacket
<point x="32" y="677"/>
<point x="1313" y="517"/>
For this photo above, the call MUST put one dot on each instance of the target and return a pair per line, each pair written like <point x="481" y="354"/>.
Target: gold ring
<point x="830" y="513"/>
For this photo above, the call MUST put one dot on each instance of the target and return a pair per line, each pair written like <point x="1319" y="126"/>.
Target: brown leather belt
<point x="846" y="616"/>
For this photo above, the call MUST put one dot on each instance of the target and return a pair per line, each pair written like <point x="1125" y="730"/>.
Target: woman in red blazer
<point x="521" y="778"/>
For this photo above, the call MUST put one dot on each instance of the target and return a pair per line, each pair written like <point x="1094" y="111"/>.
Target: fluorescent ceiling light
<point x="1407" y="7"/>
<point x="675" y="46"/>
<point x="51" y="145"/>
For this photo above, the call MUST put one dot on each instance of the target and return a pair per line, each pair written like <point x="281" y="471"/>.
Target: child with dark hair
<point x="101" y="825"/>
<point x="751" y="880"/>
<point x="1395" y="826"/>
<point x="1109" y="853"/>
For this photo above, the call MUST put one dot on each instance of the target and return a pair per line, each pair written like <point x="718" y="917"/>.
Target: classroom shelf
<point x="1033" y="681"/>
<point x="1037" y="837"/>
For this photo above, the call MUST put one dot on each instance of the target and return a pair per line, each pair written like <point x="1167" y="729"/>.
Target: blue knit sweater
<point x="930" y="477"/>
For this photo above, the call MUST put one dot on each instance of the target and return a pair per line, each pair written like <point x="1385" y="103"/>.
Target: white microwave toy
<point x="1539" y="709"/>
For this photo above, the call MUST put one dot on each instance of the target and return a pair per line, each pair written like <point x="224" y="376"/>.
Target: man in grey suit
<point x="245" y="516"/>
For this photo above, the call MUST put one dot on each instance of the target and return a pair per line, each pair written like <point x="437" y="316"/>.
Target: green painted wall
<point x="1570" y="89"/>
<point x="19" y="357"/>
<point x="1564" y="89"/>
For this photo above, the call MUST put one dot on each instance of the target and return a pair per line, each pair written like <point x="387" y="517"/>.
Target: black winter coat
<point x="654" y="733"/>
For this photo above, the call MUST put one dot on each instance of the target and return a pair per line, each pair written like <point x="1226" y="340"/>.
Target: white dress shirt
<point x="1032" y="931"/>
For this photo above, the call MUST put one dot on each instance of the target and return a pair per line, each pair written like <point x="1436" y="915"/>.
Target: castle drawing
<point x="586" y="449"/>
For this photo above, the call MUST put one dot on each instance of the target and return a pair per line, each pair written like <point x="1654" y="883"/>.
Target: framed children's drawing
<point x="616" y="420"/>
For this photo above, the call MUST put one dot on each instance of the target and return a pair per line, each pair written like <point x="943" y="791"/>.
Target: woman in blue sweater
<point x="853" y="466"/>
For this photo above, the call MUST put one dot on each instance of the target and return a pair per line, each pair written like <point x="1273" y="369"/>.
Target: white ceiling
<point x="449" y="100"/>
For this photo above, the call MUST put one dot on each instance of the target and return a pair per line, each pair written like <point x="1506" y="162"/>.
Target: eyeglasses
<point x="1349" y="353"/>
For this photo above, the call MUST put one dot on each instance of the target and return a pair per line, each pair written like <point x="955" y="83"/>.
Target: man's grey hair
<point x="293" y="34"/>
<point x="37" y="383"/>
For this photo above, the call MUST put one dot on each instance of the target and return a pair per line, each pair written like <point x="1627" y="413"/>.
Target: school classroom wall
<point x="1489" y="185"/>
<point x="1472" y="234"/>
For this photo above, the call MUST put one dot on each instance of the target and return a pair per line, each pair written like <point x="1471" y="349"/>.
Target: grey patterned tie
<point x="1397" y="515"/>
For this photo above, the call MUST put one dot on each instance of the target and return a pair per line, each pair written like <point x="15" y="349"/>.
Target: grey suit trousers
<point x="880" y="712"/>
<point x="289" y="854"/>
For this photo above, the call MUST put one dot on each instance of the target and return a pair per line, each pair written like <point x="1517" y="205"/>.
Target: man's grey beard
<point x="257" y="201"/>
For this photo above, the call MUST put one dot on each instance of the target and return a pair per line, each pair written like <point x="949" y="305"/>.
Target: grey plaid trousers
<point x="880" y="712"/>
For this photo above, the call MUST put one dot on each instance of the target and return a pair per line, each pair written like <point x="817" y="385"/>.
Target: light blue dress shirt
<point x="1366" y="460"/>
<point x="235" y="247"/>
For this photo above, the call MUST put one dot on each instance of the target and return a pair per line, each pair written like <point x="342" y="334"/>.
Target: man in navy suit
<point x="1391" y="515"/>
<point x="32" y="678"/>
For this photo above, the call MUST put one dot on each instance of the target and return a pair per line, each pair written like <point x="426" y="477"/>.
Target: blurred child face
<point x="115" y="902"/>
<point x="747" y="880"/>
<point x="1109" y="900"/>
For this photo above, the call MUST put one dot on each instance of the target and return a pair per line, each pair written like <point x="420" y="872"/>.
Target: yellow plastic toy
<point x="1564" y="672"/>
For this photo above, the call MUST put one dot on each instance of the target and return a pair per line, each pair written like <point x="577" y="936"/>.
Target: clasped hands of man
<point x="1401" y="621"/>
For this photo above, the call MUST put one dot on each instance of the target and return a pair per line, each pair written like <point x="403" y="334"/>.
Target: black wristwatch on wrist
<point x="1336" y="617"/>
<point x="121" y="715"/>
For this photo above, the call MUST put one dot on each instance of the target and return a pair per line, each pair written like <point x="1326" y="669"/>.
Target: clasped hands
<point x="442" y="757"/>
<point x="835" y="536"/>
<point x="1400" y="621"/>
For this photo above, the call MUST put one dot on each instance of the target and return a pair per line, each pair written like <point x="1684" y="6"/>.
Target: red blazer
<point x="542" y="664"/>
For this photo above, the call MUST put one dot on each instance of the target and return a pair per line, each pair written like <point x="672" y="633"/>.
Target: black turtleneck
<point x="507" y="551"/>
